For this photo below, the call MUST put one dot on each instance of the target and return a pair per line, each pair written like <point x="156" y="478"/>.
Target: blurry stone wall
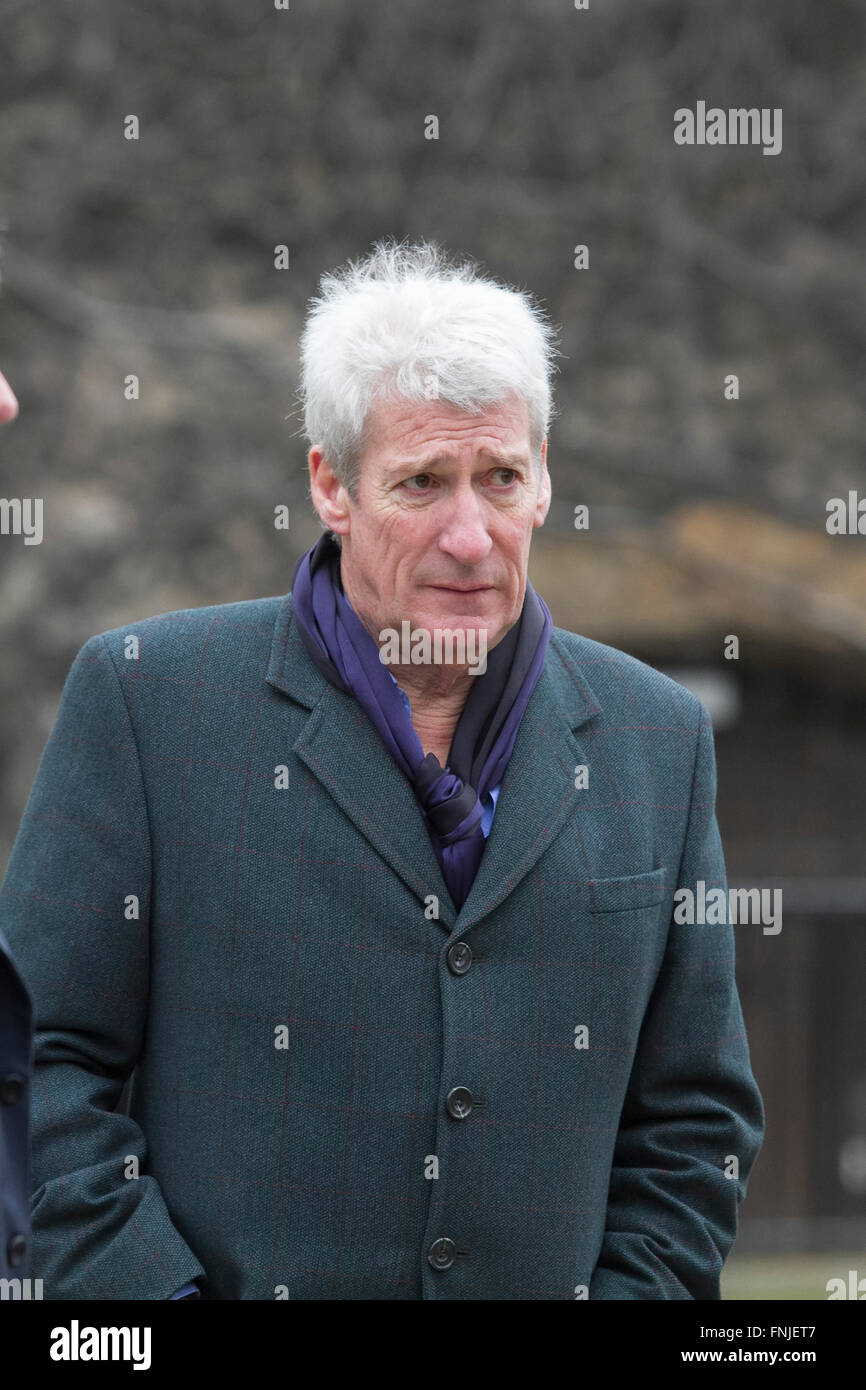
<point x="306" y="127"/>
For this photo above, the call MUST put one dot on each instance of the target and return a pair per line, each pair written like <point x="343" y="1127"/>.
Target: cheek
<point x="392" y="545"/>
<point x="398" y="536"/>
<point x="514" y="536"/>
<point x="411" y="533"/>
<point x="377" y="529"/>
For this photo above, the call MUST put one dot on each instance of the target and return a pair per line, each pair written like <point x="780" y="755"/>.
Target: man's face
<point x="440" y="530"/>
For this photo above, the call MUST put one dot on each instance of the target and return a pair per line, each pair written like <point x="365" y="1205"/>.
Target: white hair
<point x="407" y="322"/>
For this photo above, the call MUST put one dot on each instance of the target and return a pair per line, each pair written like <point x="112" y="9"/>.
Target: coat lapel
<point x="342" y="749"/>
<point x="344" y="752"/>
<point x="538" y="792"/>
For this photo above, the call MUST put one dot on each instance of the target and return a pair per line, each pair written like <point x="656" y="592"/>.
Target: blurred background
<point x="305" y="127"/>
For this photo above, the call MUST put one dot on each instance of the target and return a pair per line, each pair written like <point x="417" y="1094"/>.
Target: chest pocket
<point x="629" y="932"/>
<point x="622" y="894"/>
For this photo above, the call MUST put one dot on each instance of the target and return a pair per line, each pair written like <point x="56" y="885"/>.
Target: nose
<point x="464" y="535"/>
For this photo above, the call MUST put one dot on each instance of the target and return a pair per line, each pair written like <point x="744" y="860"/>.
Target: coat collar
<point x="344" y="752"/>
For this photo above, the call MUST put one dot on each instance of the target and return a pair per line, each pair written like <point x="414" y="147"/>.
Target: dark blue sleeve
<point x="15" y="1074"/>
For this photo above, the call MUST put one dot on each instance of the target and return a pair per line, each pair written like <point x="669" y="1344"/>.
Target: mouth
<point x="460" y="589"/>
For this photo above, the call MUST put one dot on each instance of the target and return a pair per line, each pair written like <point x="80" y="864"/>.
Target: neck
<point x="437" y="696"/>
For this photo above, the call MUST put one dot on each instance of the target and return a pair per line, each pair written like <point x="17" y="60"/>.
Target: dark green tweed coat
<point x="298" y="1020"/>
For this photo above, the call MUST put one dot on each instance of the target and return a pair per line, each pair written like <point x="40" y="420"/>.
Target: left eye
<point x="510" y="474"/>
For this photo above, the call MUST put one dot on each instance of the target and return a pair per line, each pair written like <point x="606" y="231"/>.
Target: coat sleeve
<point x="692" y="1104"/>
<point x="81" y="858"/>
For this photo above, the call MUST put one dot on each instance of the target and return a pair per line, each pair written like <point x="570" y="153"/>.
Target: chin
<point x="448" y="617"/>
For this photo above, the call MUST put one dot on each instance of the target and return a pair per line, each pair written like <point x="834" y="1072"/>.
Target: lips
<point x="454" y="589"/>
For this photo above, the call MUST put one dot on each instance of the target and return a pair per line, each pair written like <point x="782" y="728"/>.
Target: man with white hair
<point x="388" y="941"/>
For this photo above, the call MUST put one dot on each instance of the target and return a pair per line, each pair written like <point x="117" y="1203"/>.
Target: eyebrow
<point x="515" y="461"/>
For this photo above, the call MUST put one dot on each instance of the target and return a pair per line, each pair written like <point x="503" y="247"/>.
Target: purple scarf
<point x="451" y="798"/>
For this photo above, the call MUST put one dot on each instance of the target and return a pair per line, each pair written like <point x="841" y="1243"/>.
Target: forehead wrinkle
<point x="505" y="458"/>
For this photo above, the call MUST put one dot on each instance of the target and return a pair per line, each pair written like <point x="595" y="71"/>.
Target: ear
<point x="330" y="498"/>
<point x="542" y="506"/>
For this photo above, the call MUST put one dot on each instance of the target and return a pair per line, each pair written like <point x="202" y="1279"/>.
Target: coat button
<point x="441" y="1253"/>
<point x="16" y="1250"/>
<point x="458" y="1103"/>
<point x="11" y="1088"/>
<point x="459" y="958"/>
